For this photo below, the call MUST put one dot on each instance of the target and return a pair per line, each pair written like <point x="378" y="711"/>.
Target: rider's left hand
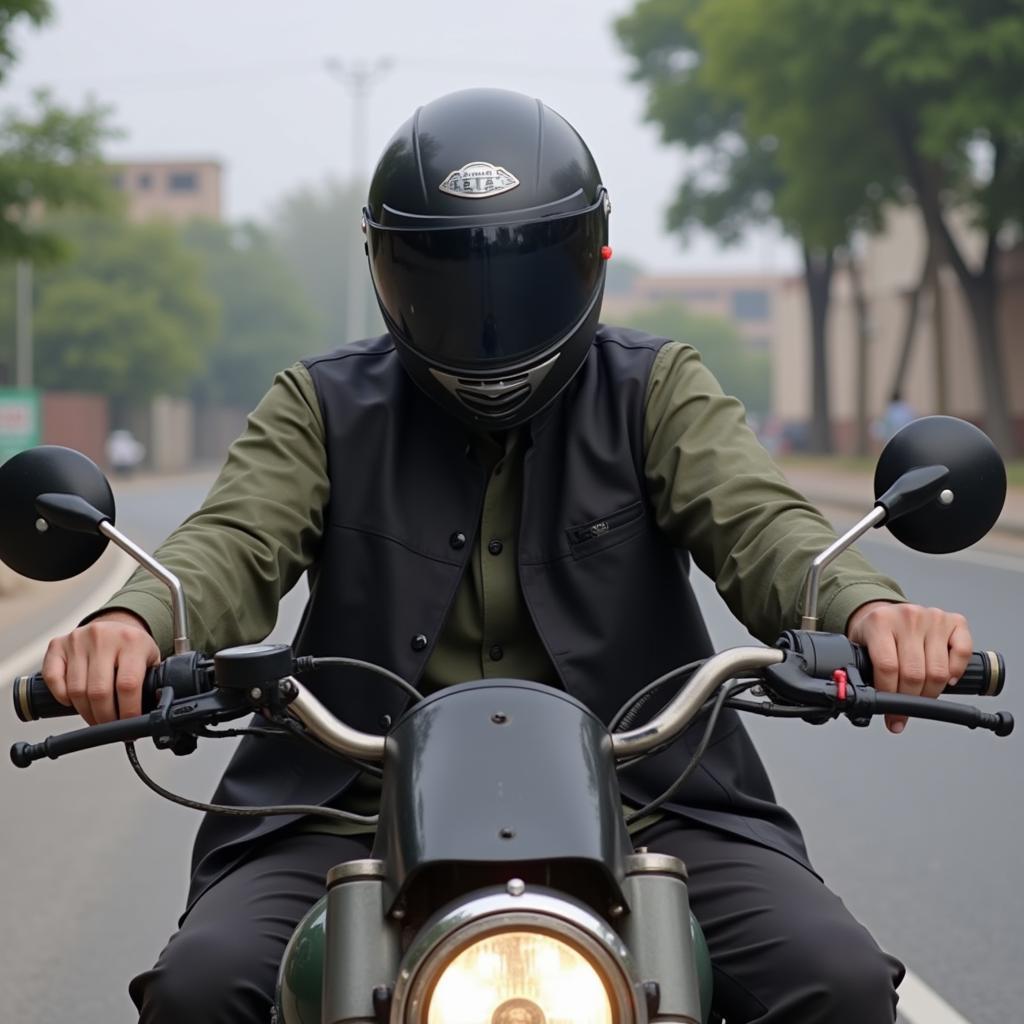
<point x="913" y="650"/>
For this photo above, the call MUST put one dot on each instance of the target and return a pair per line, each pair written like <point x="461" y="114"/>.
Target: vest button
<point x="418" y="642"/>
<point x="457" y="540"/>
<point x="385" y="721"/>
<point x="495" y="547"/>
<point x="496" y="652"/>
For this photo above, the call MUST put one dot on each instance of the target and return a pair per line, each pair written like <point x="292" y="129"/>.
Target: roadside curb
<point x="853" y="491"/>
<point x="1009" y="527"/>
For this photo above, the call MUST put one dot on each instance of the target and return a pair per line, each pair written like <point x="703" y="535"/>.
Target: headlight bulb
<point x="519" y="977"/>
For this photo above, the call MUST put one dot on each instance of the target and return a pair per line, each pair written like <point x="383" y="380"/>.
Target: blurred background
<point x="825" y="198"/>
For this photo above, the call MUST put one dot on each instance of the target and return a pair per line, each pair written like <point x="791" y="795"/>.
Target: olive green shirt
<point x="713" y="489"/>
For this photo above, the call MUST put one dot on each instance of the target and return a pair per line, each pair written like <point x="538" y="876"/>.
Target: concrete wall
<point x="77" y="421"/>
<point x="171" y="435"/>
<point x="215" y="430"/>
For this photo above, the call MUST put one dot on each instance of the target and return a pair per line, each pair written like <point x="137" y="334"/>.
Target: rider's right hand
<point x="99" y="668"/>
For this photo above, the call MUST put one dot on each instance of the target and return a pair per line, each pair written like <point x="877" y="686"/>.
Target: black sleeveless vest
<point x="609" y="597"/>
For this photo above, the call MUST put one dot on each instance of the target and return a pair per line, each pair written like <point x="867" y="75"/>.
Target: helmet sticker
<point x="478" y="180"/>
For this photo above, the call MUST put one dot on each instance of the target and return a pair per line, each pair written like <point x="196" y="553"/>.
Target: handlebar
<point x="824" y="674"/>
<point x="187" y="674"/>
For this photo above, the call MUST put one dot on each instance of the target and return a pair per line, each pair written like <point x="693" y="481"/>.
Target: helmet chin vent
<point x="490" y="403"/>
<point x="496" y="396"/>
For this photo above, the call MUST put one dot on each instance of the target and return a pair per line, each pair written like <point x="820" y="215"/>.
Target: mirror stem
<point x="178" y="608"/>
<point x="876" y="517"/>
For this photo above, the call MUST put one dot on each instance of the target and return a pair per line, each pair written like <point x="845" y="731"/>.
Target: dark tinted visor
<point x="475" y="297"/>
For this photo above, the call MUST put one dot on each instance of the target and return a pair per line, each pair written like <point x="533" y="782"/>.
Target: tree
<point x="49" y="161"/>
<point x="317" y="231"/>
<point x="266" y="322"/>
<point x="923" y="93"/>
<point x="699" y="59"/>
<point x="741" y="370"/>
<point x="949" y="74"/>
<point x="126" y="315"/>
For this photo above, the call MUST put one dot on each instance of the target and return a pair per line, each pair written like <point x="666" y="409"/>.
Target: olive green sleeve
<point x="254" y="535"/>
<point x="717" y="493"/>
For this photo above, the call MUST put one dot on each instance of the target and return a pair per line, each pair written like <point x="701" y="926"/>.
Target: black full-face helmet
<point x="487" y="235"/>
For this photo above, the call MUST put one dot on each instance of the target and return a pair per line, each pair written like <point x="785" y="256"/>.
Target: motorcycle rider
<point x="502" y="487"/>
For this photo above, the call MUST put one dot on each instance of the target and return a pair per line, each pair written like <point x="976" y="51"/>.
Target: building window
<point x="144" y="182"/>
<point x="182" y="181"/>
<point x="748" y="304"/>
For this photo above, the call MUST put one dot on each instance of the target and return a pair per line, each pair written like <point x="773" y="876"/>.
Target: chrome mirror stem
<point x="179" y="611"/>
<point x="876" y="517"/>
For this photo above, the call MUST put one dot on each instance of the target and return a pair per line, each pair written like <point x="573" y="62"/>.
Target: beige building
<point x="175" y="190"/>
<point x="747" y="301"/>
<point x="892" y="265"/>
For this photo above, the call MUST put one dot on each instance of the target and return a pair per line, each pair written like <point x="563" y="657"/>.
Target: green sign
<point x="19" y="421"/>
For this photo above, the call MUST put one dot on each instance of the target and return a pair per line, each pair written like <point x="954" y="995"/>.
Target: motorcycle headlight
<point x="533" y="958"/>
<point x="519" y="977"/>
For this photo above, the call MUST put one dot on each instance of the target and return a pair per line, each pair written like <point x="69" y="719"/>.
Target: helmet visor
<point x="488" y="296"/>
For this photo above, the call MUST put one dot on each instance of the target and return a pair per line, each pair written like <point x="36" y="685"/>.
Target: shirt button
<point x="418" y="642"/>
<point x="457" y="540"/>
<point x="385" y="721"/>
<point x="496" y="652"/>
<point x="495" y="547"/>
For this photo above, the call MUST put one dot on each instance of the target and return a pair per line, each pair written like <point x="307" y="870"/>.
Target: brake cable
<point x="244" y="812"/>
<point x="719" y="703"/>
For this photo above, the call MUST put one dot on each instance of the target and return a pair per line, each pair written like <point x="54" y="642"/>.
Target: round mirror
<point x="974" y="493"/>
<point x="49" y="553"/>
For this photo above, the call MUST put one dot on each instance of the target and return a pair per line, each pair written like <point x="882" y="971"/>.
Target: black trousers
<point x="783" y="947"/>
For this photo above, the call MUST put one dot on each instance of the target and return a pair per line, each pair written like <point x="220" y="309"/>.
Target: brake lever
<point x="167" y="724"/>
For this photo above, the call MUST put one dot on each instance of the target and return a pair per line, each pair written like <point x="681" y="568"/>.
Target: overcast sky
<point x="244" y="81"/>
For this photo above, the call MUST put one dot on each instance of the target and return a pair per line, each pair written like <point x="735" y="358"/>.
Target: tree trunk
<point x="980" y="288"/>
<point x="983" y="301"/>
<point x="910" y="327"/>
<point x="818" y="265"/>
<point x="939" y="333"/>
<point x="863" y="314"/>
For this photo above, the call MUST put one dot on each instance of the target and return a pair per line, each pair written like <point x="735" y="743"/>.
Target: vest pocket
<point x="605" y="531"/>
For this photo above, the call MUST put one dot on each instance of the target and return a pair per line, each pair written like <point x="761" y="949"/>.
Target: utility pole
<point x="23" y="324"/>
<point x="357" y="77"/>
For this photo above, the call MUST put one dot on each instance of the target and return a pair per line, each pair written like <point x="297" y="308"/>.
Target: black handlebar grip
<point x="188" y="674"/>
<point x="33" y="700"/>
<point x="985" y="675"/>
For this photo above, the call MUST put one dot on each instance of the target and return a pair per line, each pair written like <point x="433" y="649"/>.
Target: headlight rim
<point x="491" y="911"/>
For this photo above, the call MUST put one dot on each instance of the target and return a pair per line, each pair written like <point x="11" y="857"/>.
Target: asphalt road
<point x="918" y="833"/>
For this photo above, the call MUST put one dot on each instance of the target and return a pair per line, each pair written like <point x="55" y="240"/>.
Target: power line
<point x="186" y="80"/>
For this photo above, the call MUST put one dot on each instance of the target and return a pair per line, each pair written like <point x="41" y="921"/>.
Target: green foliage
<point x="265" y="322"/>
<point x="733" y="178"/>
<point x="741" y="370"/>
<point x="48" y="162"/>
<point x="317" y="231"/>
<point x="13" y="12"/>
<point x="951" y="73"/>
<point x="125" y="315"/>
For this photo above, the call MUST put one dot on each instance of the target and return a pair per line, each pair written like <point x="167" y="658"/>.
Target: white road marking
<point x="29" y="657"/>
<point x="920" y="1004"/>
